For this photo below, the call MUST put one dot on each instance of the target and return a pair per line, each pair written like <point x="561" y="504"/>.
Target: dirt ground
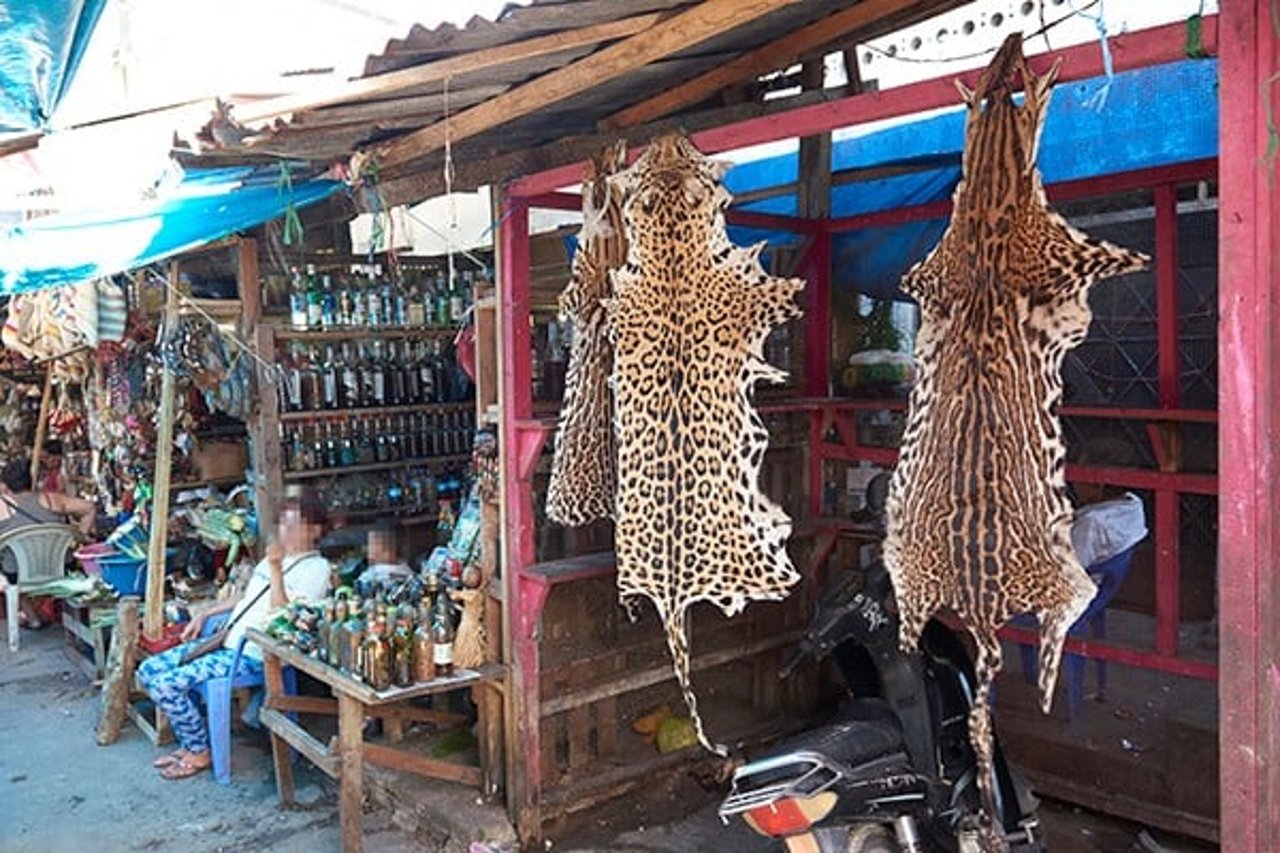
<point x="59" y="791"/>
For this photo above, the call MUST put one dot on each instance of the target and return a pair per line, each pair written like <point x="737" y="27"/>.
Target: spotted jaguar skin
<point x="978" y="516"/>
<point x="689" y="318"/>
<point x="583" y="473"/>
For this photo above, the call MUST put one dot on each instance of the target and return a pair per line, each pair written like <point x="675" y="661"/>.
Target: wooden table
<point x="355" y="701"/>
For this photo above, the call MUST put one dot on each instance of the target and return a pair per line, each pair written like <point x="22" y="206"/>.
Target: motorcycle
<point x="894" y="771"/>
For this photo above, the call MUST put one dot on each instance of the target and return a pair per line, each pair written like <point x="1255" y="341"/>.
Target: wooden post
<point x="119" y="676"/>
<point x="42" y="427"/>
<point x="281" y="755"/>
<point x="153" y="618"/>
<point x="351" y="781"/>
<point x="1249" y="426"/>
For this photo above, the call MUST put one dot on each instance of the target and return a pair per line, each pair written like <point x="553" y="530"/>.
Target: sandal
<point x="172" y="758"/>
<point x="182" y="769"/>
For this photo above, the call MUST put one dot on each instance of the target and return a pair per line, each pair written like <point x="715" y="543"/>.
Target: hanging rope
<point x="448" y="187"/>
<point x="1098" y="100"/>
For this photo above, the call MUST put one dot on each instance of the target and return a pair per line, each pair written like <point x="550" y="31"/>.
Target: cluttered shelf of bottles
<point x="372" y="384"/>
<point x="396" y="632"/>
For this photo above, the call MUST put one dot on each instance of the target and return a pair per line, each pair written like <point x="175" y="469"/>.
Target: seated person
<point x="1107" y="522"/>
<point x="20" y="507"/>
<point x="300" y="573"/>
<point x="385" y="568"/>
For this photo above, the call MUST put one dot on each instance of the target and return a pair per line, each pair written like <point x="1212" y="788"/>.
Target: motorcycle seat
<point x="866" y="730"/>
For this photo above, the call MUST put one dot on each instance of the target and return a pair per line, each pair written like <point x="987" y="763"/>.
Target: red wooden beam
<point x="1120" y="654"/>
<point x="1249" y="434"/>
<point x="748" y="218"/>
<point x="1130" y="50"/>
<point x="1191" y="170"/>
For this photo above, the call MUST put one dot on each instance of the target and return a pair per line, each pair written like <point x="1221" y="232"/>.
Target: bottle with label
<point x="359" y="312"/>
<point x="329" y="380"/>
<point x="291" y="381"/>
<point x="315" y="298"/>
<point x="377" y="375"/>
<point x="442" y="633"/>
<point x="373" y="302"/>
<point x="347" y="445"/>
<point x="424" y="664"/>
<point x="387" y="298"/>
<point x="376" y="655"/>
<point x="366" y="453"/>
<point x="309" y="379"/>
<point x="426" y="378"/>
<point x="335" y="635"/>
<point x="402" y="648"/>
<point x="396" y="395"/>
<point x="297" y="301"/>
<point x="332" y="451"/>
<point x="343" y="292"/>
<point x="382" y="450"/>
<point x="443" y="294"/>
<point x="458" y="299"/>
<point x="348" y="379"/>
<point x="328" y="304"/>
<point x="353" y="641"/>
<point x="414" y="315"/>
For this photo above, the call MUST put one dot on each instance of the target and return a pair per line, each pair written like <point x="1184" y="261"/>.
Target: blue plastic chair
<point x="216" y="694"/>
<point x="1109" y="575"/>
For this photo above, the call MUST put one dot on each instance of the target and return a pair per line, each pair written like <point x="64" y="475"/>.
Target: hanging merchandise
<point x="689" y="319"/>
<point x="583" y="476"/>
<point x="978" y="517"/>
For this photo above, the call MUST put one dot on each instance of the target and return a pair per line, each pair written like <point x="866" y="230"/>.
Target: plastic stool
<point x="1108" y="575"/>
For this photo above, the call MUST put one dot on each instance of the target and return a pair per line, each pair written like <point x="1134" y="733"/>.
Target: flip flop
<point x="182" y="769"/>
<point x="171" y="758"/>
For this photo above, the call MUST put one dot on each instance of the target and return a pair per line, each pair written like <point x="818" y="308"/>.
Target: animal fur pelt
<point x="978" y="517"/>
<point x="689" y="318"/>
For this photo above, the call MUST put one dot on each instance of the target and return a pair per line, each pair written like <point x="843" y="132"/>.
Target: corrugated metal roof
<point x="388" y="103"/>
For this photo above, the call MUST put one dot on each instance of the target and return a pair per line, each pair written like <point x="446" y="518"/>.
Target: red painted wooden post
<point x="1248" y="399"/>
<point x="524" y="773"/>
<point x="1168" y="563"/>
<point x="817" y="318"/>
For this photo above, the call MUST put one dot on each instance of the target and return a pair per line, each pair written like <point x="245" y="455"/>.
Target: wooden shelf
<point x="375" y="466"/>
<point x="200" y="484"/>
<point x="339" y="335"/>
<point x="376" y="411"/>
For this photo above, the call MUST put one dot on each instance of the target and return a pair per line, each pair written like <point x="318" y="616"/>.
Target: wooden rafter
<point x="775" y="55"/>
<point x="673" y="34"/>
<point x="384" y="85"/>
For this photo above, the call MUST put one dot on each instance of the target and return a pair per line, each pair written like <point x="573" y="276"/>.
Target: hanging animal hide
<point x="978" y="516"/>
<point x="689" y="319"/>
<point x="583" y="474"/>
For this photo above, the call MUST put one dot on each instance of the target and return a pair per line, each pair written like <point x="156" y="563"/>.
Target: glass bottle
<point x="373" y="302"/>
<point x="337" y="632"/>
<point x="396" y="393"/>
<point x="366" y="453"/>
<point x="442" y="633"/>
<point x="309" y="380"/>
<point x="376" y="655"/>
<point x="315" y="298"/>
<point x="328" y="304"/>
<point x="387" y="302"/>
<point x="348" y="379"/>
<point x="424" y="663"/>
<point x="297" y="301"/>
<point x="353" y="640"/>
<point x="402" y="649"/>
<point x="382" y="450"/>
<point x="414" y="315"/>
<point x="364" y="367"/>
<point x="329" y="380"/>
<point x="332" y="457"/>
<point x="344" y="301"/>
<point x="347" y="445"/>
<point x="291" y="386"/>
<point x="322" y="632"/>
<point x="457" y="299"/>
<point x="359" y="310"/>
<point x="317" y="449"/>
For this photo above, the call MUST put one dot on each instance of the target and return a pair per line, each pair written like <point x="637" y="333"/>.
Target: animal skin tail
<point x="677" y="626"/>
<point x="1054" y="625"/>
<point x="982" y="737"/>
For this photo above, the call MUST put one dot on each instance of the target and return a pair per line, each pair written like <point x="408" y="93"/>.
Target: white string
<point x="448" y="187"/>
<point x="1098" y="99"/>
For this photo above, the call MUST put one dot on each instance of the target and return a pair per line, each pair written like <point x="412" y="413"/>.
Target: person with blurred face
<point x="293" y="570"/>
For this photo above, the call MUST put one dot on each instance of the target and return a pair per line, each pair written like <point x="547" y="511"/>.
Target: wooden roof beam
<point x="777" y="54"/>
<point x="384" y="85"/>
<point x="678" y="32"/>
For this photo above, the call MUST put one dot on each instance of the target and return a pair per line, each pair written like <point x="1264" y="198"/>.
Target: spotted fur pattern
<point x="583" y="474"/>
<point x="979" y="521"/>
<point x="689" y="318"/>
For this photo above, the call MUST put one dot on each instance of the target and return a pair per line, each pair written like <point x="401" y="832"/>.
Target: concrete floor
<point x="61" y="792"/>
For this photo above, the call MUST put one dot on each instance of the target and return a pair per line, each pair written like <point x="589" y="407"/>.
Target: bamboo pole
<point x="42" y="428"/>
<point x="153" y="618"/>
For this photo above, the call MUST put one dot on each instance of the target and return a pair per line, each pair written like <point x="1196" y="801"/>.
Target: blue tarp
<point x="205" y="206"/>
<point x="1152" y="117"/>
<point x="41" y="44"/>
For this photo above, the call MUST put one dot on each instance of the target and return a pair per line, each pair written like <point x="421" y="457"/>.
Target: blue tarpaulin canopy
<point x="41" y="44"/>
<point x="205" y="206"/>
<point x="1151" y="117"/>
